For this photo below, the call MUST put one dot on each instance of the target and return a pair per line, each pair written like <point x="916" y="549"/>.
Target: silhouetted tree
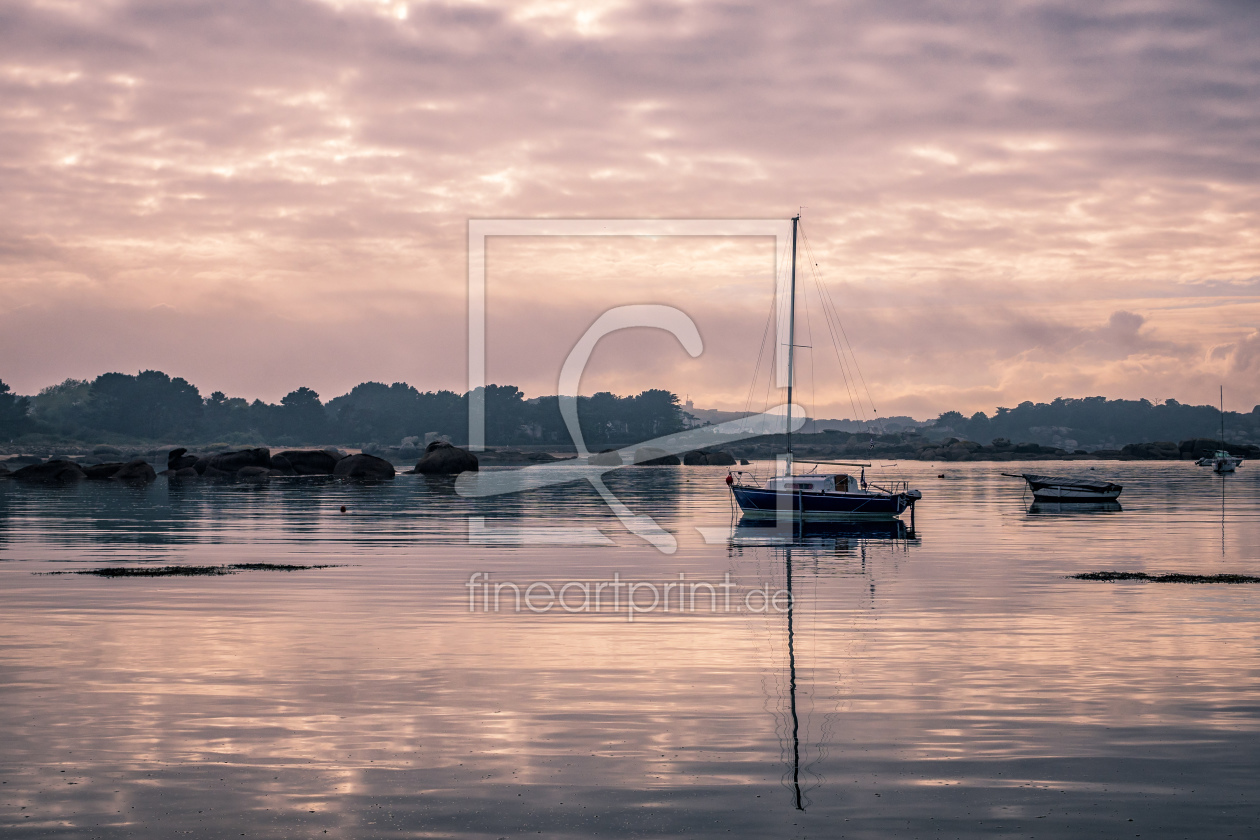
<point x="14" y="411"/>
<point x="225" y="416"/>
<point x="302" y="416"/>
<point x="654" y="413"/>
<point x="63" y="408"/>
<point x="149" y="405"/>
<point x="505" y="414"/>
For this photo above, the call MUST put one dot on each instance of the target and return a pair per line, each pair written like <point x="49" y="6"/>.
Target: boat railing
<point x="892" y="488"/>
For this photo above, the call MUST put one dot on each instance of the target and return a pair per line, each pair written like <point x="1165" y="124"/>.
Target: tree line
<point x="153" y="406"/>
<point x="1099" y="422"/>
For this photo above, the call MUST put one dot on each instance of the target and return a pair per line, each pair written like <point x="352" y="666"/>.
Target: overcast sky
<point x="1007" y="201"/>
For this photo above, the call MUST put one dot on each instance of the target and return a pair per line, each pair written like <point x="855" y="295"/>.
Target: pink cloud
<point x="1006" y="202"/>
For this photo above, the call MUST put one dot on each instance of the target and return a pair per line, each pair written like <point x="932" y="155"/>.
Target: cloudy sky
<point x="1007" y="201"/>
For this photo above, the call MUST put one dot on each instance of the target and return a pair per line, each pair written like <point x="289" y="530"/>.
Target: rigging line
<point x="849" y="380"/>
<point x="839" y="323"/>
<point x="843" y="332"/>
<point x="786" y="263"/>
<point x="752" y="386"/>
<point x="765" y="403"/>
<point x="813" y="391"/>
<point x="831" y="317"/>
<point x="761" y="350"/>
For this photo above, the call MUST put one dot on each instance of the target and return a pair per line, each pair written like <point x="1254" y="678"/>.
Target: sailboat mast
<point x="796" y="220"/>
<point x="1222" y="412"/>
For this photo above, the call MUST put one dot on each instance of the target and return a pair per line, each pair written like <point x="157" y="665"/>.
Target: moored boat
<point x="1220" y="460"/>
<point x="830" y="496"/>
<point x="817" y="496"/>
<point x="1050" y="488"/>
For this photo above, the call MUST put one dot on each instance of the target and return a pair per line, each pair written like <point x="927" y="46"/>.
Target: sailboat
<point x="817" y="495"/>
<point x="1221" y="461"/>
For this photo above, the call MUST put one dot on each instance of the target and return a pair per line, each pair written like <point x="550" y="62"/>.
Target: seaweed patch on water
<point x="1175" y="577"/>
<point x="190" y="571"/>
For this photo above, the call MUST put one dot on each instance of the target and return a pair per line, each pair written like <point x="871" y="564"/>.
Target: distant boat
<point x="1049" y="488"/>
<point x="1221" y="461"/>
<point x="818" y="495"/>
<point x="1225" y="462"/>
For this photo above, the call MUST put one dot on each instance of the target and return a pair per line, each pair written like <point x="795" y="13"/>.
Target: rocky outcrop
<point x="253" y="475"/>
<point x="135" y="471"/>
<point x="441" y="458"/>
<point x="178" y="459"/>
<point x="51" y="472"/>
<point x="364" y="467"/>
<point x="605" y="458"/>
<point x="1161" y="450"/>
<point x="1197" y="448"/>
<point x="281" y="465"/>
<point x="307" y="461"/>
<point x="515" y="457"/>
<point x="650" y="456"/>
<point x="230" y="462"/>
<point x="206" y="470"/>
<point x="101" y="472"/>
<point x="699" y="458"/>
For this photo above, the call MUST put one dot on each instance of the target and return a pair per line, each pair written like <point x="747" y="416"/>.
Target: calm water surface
<point x="953" y="683"/>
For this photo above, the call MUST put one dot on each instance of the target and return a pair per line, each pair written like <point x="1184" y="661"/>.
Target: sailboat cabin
<point x="840" y="483"/>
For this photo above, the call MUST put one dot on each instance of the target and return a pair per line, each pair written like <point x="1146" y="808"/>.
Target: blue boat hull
<point x="754" y="501"/>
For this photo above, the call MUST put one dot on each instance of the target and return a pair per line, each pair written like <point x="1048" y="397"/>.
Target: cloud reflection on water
<point x="958" y="675"/>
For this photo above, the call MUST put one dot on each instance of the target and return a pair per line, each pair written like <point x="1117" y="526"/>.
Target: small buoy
<point x="942" y="475"/>
<point x="343" y="508"/>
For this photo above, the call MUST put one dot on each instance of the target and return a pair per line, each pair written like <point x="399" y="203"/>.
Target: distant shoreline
<point x="823" y="446"/>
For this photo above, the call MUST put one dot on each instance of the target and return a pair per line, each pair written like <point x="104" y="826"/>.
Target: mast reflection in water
<point x="814" y="541"/>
